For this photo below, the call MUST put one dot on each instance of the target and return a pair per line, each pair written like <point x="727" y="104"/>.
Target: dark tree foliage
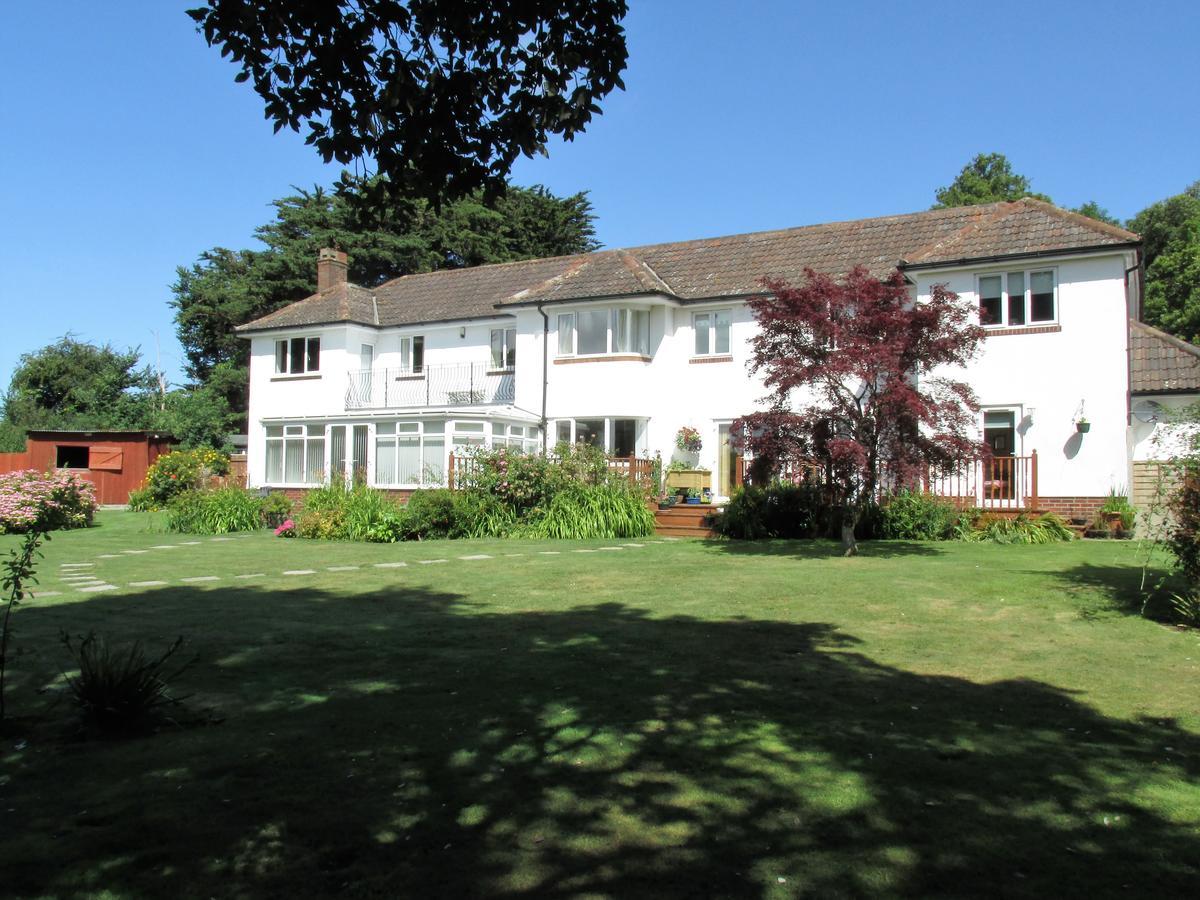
<point x="857" y="378"/>
<point x="988" y="178"/>
<point x="1170" y="231"/>
<point x="73" y="385"/>
<point x="226" y="288"/>
<point x="442" y="95"/>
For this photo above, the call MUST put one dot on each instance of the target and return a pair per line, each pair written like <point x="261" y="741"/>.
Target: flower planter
<point x="1083" y="427"/>
<point x="693" y="501"/>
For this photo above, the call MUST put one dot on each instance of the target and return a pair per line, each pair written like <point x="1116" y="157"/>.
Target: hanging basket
<point x="1083" y="427"/>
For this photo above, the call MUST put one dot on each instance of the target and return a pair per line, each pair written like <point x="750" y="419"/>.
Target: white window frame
<point x="638" y="339"/>
<point x="1027" y="297"/>
<point x="284" y="356"/>
<point x="508" y="349"/>
<point x="711" y="328"/>
<point x="409" y="345"/>
<point x="425" y="436"/>
<point x="310" y="436"/>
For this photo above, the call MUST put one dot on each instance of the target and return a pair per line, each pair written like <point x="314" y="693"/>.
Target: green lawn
<point x="675" y="719"/>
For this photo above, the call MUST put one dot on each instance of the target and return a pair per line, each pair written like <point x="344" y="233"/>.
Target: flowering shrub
<point x="36" y="501"/>
<point x="175" y="473"/>
<point x="286" y="529"/>
<point x="688" y="439"/>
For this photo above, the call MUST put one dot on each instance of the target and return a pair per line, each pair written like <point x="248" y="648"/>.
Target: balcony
<point x="449" y="384"/>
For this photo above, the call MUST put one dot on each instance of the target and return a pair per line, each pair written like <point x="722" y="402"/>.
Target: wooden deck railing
<point x="1000" y="483"/>
<point x="461" y="467"/>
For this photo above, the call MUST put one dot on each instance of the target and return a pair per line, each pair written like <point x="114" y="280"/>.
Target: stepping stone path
<point x="78" y="575"/>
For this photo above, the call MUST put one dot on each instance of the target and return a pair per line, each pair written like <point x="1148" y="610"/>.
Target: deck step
<point x="685" y="520"/>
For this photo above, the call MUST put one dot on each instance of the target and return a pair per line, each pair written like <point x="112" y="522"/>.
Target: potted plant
<point x="688" y="440"/>
<point x="693" y="496"/>
<point x="1082" y="425"/>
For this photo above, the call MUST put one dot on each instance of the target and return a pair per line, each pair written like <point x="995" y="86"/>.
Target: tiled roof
<point x="340" y="303"/>
<point x="724" y="266"/>
<point x="1161" y="363"/>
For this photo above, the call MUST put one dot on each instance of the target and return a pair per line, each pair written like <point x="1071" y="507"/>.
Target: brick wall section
<point x="1069" y="507"/>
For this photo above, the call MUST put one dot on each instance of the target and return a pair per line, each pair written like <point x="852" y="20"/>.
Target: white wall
<point x="1047" y="376"/>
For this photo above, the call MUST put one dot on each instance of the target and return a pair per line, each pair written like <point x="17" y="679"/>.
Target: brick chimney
<point x="331" y="268"/>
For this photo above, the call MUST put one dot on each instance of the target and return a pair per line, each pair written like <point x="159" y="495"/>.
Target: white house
<point x="623" y="347"/>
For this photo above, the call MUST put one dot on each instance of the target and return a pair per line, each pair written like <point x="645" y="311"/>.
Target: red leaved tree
<point x="856" y="371"/>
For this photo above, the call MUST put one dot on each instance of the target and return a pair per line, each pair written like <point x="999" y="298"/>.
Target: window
<point x="412" y="354"/>
<point x="712" y="332"/>
<point x="566" y="334"/>
<point x="295" y="454"/>
<point x="618" y="437"/>
<point x="408" y="453"/>
<point x="298" y="356"/>
<point x="504" y="348"/>
<point x="517" y="437"/>
<point x="68" y="457"/>
<point x="592" y="332"/>
<point x="1017" y="298"/>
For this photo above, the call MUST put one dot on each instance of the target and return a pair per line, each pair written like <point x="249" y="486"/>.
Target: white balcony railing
<point x="449" y="384"/>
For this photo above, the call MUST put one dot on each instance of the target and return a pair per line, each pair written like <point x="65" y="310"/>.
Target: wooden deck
<point x="685" y="520"/>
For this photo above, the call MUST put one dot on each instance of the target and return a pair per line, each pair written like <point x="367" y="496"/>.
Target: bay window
<point x="297" y="356"/>
<point x="594" y="332"/>
<point x="712" y="332"/>
<point x="295" y="454"/>
<point x="1017" y="298"/>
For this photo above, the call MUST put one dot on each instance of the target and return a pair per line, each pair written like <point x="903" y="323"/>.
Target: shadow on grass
<point x="1122" y="589"/>
<point x="823" y="549"/>
<point x="413" y="743"/>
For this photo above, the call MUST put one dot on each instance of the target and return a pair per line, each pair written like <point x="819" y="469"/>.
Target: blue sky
<point x="127" y="149"/>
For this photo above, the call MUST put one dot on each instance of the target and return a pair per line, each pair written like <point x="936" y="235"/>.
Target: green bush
<point x="335" y="512"/>
<point x="593" y="511"/>
<point x="780" y="510"/>
<point x="275" y="509"/>
<point x="215" y="512"/>
<point x="177" y="473"/>
<point x="480" y="515"/>
<point x="430" y="514"/>
<point x="918" y="516"/>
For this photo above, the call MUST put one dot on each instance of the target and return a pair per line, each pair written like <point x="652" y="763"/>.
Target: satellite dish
<point x="1148" y="411"/>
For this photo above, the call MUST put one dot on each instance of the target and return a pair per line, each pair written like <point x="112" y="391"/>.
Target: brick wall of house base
<point x="297" y="495"/>
<point x="1071" y="507"/>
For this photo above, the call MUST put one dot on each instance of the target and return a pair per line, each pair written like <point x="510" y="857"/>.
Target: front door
<point x="1000" y="433"/>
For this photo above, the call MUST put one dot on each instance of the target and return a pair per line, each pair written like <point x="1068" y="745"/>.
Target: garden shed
<point x="114" y="461"/>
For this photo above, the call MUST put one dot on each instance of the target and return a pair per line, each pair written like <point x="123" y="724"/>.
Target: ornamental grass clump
<point x="120" y="690"/>
<point x="221" y="511"/>
<point x="45" y="501"/>
<point x="594" y="511"/>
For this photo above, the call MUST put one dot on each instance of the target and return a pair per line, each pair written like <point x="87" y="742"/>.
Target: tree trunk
<point x="849" y="545"/>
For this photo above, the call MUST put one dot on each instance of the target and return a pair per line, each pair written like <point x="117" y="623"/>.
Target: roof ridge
<point x="1080" y="219"/>
<point x="644" y="273"/>
<point x="1170" y="339"/>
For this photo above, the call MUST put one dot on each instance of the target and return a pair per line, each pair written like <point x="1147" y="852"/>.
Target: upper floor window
<point x="297" y="356"/>
<point x="412" y="354"/>
<point x="712" y="332"/>
<point x="1013" y="299"/>
<point x="504" y="348"/>
<point x="605" y="330"/>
